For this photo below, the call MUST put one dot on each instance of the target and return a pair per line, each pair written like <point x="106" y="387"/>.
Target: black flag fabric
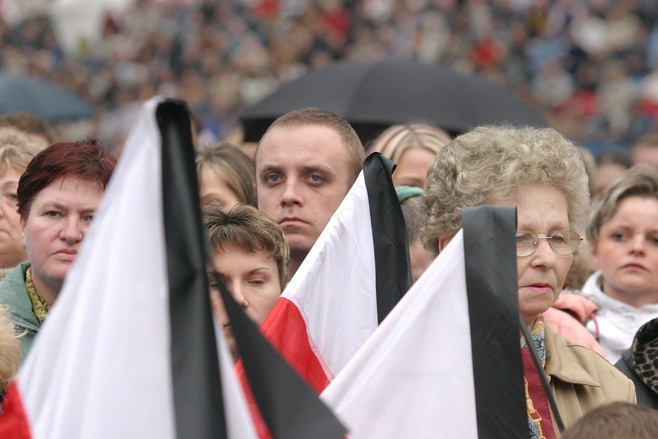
<point x="422" y="373"/>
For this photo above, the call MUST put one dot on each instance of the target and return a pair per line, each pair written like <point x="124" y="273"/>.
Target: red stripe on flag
<point x="13" y="421"/>
<point x="285" y="328"/>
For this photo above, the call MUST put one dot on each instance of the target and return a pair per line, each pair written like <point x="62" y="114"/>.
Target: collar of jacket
<point x="563" y="363"/>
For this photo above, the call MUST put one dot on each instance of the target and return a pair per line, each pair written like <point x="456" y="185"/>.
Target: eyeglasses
<point x="562" y="243"/>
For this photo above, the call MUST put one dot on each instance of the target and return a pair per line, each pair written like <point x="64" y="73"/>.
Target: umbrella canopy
<point x="373" y="95"/>
<point x="42" y="98"/>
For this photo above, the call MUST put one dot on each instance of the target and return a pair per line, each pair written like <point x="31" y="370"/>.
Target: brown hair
<point x="616" y="420"/>
<point x="639" y="181"/>
<point x="251" y="230"/>
<point x="318" y="116"/>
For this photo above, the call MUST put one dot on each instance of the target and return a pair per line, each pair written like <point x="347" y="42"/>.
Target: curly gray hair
<point x="494" y="162"/>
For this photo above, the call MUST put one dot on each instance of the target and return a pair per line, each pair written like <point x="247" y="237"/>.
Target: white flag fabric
<point x="353" y="275"/>
<point x="100" y="366"/>
<point x="414" y="376"/>
<point x="446" y="361"/>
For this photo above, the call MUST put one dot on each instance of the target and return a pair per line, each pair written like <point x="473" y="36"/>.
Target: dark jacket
<point x="638" y="363"/>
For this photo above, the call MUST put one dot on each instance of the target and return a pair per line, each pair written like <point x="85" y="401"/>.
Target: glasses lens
<point x="564" y="243"/>
<point x="525" y="243"/>
<point x="574" y="239"/>
<point x="560" y="243"/>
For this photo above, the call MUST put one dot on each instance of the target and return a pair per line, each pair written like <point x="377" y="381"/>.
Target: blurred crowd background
<point x="590" y="66"/>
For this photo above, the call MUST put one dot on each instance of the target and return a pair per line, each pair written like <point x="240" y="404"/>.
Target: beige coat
<point x="581" y="379"/>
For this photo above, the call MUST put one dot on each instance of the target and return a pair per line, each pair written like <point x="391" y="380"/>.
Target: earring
<point x="23" y="244"/>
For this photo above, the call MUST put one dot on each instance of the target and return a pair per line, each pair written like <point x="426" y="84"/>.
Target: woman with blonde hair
<point x="10" y="351"/>
<point x="16" y="151"/>
<point x="413" y="148"/>
<point x="226" y="176"/>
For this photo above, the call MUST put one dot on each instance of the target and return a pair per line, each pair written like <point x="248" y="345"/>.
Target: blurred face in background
<point x="419" y="259"/>
<point x="626" y="251"/>
<point x="605" y="174"/>
<point x="412" y="167"/>
<point x="11" y="236"/>
<point x="212" y="189"/>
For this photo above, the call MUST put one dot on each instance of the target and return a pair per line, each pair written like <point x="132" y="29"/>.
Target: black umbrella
<point x="373" y="95"/>
<point x="42" y="98"/>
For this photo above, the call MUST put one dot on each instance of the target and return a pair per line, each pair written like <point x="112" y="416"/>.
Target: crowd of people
<point x="589" y="66"/>
<point x="263" y="216"/>
<point x="586" y="241"/>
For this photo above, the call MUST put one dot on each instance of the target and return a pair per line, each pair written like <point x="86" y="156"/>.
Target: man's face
<point x="302" y="175"/>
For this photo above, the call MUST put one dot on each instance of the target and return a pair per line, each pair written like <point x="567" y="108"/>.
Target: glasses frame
<point x="570" y="234"/>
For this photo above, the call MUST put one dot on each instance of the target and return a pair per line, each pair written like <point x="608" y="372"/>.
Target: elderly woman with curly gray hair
<point x="542" y="174"/>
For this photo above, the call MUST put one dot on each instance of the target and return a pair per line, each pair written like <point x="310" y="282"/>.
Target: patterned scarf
<point x="39" y="306"/>
<point x="539" y="416"/>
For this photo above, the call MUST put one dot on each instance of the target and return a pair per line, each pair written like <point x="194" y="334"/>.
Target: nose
<point x="238" y="295"/>
<point x="291" y="193"/>
<point x="544" y="256"/>
<point x="73" y="230"/>
<point x="638" y="243"/>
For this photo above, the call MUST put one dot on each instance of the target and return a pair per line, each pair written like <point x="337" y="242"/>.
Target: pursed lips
<point x="634" y="265"/>
<point x="539" y="286"/>
<point x="291" y="220"/>
<point x="66" y="253"/>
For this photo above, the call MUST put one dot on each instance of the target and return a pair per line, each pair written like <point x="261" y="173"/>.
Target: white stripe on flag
<point x="329" y="307"/>
<point x="414" y="375"/>
<point x="334" y="288"/>
<point x="100" y="366"/>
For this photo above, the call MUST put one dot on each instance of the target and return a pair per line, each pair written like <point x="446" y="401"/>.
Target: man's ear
<point x="443" y="242"/>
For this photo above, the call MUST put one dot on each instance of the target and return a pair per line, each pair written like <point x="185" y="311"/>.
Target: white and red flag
<point x="352" y="277"/>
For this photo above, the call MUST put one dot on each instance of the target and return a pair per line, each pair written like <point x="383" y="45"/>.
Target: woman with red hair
<point x="57" y="197"/>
